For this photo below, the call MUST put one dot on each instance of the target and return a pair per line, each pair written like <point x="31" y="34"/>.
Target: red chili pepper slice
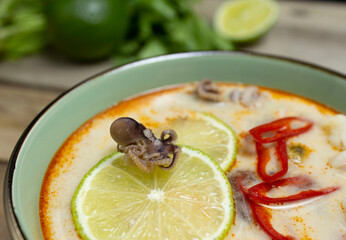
<point x="257" y="192"/>
<point x="262" y="216"/>
<point x="281" y="129"/>
<point x="264" y="158"/>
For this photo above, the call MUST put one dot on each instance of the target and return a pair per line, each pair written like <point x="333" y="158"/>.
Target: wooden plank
<point x="309" y="31"/>
<point x="18" y="107"/>
<point x="49" y="70"/>
<point x="4" y="233"/>
<point x="310" y="15"/>
<point x="313" y="32"/>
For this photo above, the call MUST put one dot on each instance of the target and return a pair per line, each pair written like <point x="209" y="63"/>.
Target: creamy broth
<point x="319" y="218"/>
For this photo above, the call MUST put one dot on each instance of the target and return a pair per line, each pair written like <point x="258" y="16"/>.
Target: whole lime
<point x="87" y="30"/>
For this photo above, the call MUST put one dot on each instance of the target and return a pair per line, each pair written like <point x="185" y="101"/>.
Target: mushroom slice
<point x="339" y="161"/>
<point x="243" y="209"/>
<point x="142" y="148"/>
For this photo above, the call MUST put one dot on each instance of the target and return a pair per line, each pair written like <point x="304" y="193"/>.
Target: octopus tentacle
<point x="172" y="136"/>
<point x="137" y="149"/>
<point x="162" y="162"/>
<point x="141" y="164"/>
<point x="176" y="154"/>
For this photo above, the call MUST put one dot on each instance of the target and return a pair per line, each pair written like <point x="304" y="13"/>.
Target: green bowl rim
<point x="11" y="219"/>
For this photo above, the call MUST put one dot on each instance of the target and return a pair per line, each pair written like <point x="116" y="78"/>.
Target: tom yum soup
<point x="201" y="161"/>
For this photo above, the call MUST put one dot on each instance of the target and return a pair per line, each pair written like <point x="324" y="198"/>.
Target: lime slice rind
<point x="83" y="232"/>
<point x="227" y="15"/>
<point x="232" y="145"/>
<point x="223" y="231"/>
<point x="218" y="175"/>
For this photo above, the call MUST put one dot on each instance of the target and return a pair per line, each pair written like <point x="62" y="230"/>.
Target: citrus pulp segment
<point x="208" y="134"/>
<point x="245" y="20"/>
<point x="191" y="201"/>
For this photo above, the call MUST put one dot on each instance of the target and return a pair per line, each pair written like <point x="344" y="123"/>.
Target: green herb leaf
<point x="153" y="48"/>
<point x="22" y="28"/>
<point x="169" y="26"/>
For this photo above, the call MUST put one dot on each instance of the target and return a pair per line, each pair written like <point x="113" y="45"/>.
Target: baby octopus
<point x="208" y="90"/>
<point x="142" y="148"/>
<point x="248" y="96"/>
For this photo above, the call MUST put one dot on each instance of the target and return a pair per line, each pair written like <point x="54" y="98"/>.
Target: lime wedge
<point x="245" y="20"/>
<point x="191" y="201"/>
<point x="208" y="134"/>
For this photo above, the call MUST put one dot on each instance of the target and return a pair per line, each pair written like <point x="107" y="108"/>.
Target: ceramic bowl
<point x="59" y="119"/>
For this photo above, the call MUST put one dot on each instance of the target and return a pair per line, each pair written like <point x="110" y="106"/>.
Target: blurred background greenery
<point x="92" y="30"/>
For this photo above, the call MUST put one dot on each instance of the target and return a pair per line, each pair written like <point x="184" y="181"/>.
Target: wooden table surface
<point x="307" y="30"/>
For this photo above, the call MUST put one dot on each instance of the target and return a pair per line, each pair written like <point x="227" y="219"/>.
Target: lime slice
<point x="245" y="20"/>
<point x="193" y="200"/>
<point x="208" y="134"/>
